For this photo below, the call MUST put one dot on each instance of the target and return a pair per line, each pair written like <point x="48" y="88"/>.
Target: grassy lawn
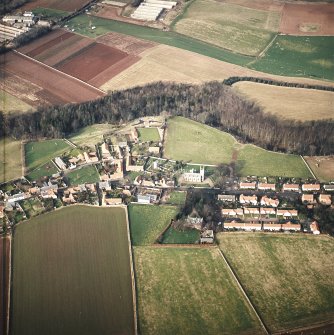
<point x="256" y="161"/>
<point x="47" y="169"/>
<point x="10" y="159"/>
<point x="32" y="207"/>
<point x="189" y="291"/>
<point x="87" y="174"/>
<point x="72" y="274"/>
<point x="195" y="142"/>
<point x="39" y="153"/>
<point x="147" y="222"/>
<point x="81" y="25"/>
<point x="148" y="134"/>
<point x="177" y="198"/>
<point x="288" y="277"/>
<point x="300" y="56"/>
<point x="49" y="13"/>
<point x="188" y="236"/>
<point x="236" y="28"/>
<point x="9" y="103"/>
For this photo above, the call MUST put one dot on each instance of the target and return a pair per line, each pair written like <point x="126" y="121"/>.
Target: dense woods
<point x="7" y="5"/>
<point x="212" y="103"/>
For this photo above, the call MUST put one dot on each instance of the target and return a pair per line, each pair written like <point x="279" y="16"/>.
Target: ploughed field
<point x="72" y="274"/>
<point x="289" y="278"/>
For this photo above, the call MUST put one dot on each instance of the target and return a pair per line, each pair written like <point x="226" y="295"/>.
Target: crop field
<point x="147" y="222"/>
<point x="289" y="278"/>
<point x="299" y="56"/>
<point x="233" y="27"/>
<point x="87" y="174"/>
<point x="4" y="282"/>
<point x="39" y="153"/>
<point x="307" y="19"/>
<point x="295" y="103"/>
<point x="72" y="274"/>
<point x="191" y="141"/>
<point x="174" y="236"/>
<point x="189" y="291"/>
<point x="39" y="85"/>
<point x="10" y="159"/>
<point x="195" y="142"/>
<point x="322" y="167"/>
<point x="148" y="134"/>
<point x="9" y="103"/>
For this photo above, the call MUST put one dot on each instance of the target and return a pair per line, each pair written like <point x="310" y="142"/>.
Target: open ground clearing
<point x="233" y="27"/>
<point x="49" y="13"/>
<point x="307" y="19"/>
<point x="322" y="167"/>
<point x="289" y="278"/>
<point x="87" y="174"/>
<point x="63" y="5"/>
<point x="189" y="291"/>
<point x="148" y="134"/>
<point x="4" y="282"/>
<point x="147" y="222"/>
<point x="300" y="56"/>
<point x="173" y="236"/>
<point x="72" y="274"/>
<point x="195" y="142"/>
<point x="294" y="103"/>
<point x="9" y="103"/>
<point x="10" y="159"/>
<point x="37" y="84"/>
<point x="39" y="153"/>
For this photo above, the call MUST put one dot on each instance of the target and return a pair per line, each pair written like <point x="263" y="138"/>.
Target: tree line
<point x="214" y="103"/>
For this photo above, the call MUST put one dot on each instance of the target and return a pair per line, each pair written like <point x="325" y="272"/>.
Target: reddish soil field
<point x="113" y="70"/>
<point x="128" y="44"/>
<point x="257" y="4"/>
<point x="65" y="5"/>
<point x="91" y="61"/>
<point x="4" y="283"/>
<point x="44" y="82"/>
<point x="308" y="19"/>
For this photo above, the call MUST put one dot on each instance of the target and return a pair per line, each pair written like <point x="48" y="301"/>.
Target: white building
<point x="194" y="177"/>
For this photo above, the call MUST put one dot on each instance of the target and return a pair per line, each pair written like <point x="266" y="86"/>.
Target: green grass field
<point x="50" y="13"/>
<point x="82" y="23"/>
<point x="72" y="274"/>
<point x="189" y="291"/>
<point x="87" y="174"/>
<point x="39" y="153"/>
<point x="148" y="134"/>
<point x="177" y="198"/>
<point x="10" y="159"/>
<point x="47" y="169"/>
<point x="147" y="222"/>
<point x="300" y="56"/>
<point x="32" y="207"/>
<point x="192" y="141"/>
<point x="173" y="236"/>
<point x="9" y="103"/>
<point x="236" y="28"/>
<point x="289" y="278"/>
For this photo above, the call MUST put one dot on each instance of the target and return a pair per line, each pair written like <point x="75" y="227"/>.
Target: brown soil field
<point x="257" y="4"/>
<point x="4" y="282"/>
<point x="91" y="61"/>
<point x="307" y="19"/>
<point x="128" y="44"/>
<point x="65" y="5"/>
<point x="169" y="64"/>
<point x="294" y="103"/>
<point x="42" y="81"/>
<point x="322" y="167"/>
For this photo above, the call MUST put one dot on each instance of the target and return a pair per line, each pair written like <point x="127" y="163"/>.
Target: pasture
<point x="299" y="56"/>
<point x="39" y="153"/>
<point x="239" y="29"/>
<point x="289" y="278"/>
<point x="10" y="159"/>
<point x="189" y="291"/>
<point x="47" y="169"/>
<point x="10" y="103"/>
<point x="174" y="236"/>
<point x="147" y="222"/>
<point x="148" y="134"/>
<point x="322" y="167"/>
<point x="177" y="198"/>
<point x="87" y="174"/>
<point x="72" y="274"/>
<point x="294" y="103"/>
<point x="4" y="282"/>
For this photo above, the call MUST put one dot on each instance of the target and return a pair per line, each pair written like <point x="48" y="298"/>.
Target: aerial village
<point x="131" y="169"/>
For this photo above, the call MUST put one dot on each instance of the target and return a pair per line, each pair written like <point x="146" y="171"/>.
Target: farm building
<point x="329" y="187"/>
<point x="105" y="153"/>
<point x="60" y="163"/>
<point x="265" y="186"/>
<point x="291" y="187"/>
<point x="194" y="177"/>
<point x="112" y="201"/>
<point x="311" y="187"/>
<point x="325" y="199"/>
<point x="266" y="201"/>
<point x="248" y="199"/>
<point x="150" y="10"/>
<point x="27" y="19"/>
<point x="9" y="33"/>
<point x="247" y="186"/>
<point x="207" y="236"/>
